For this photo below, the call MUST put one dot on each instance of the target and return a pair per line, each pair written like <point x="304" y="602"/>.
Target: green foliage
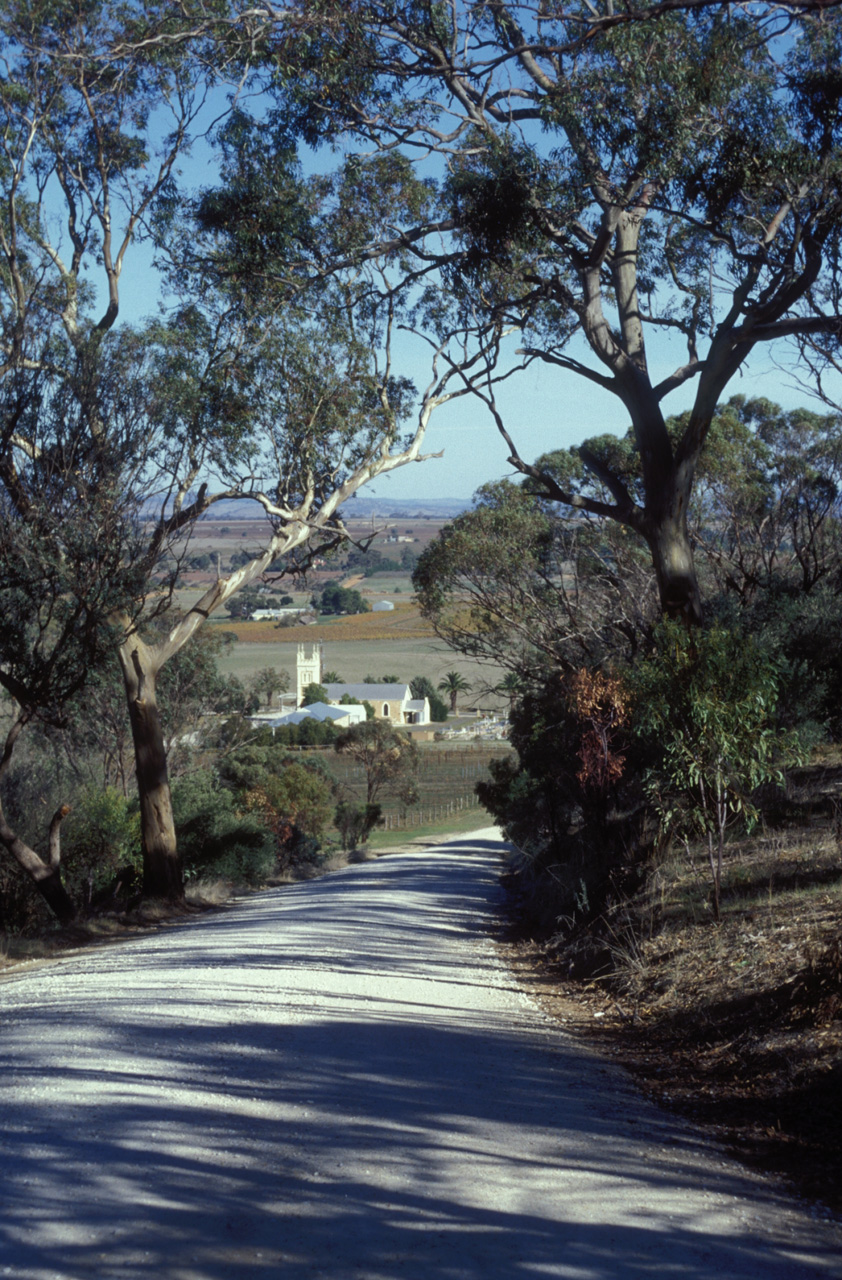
<point x="252" y="763"/>
<point x="100" y="837"/>
<point x="801" y="631"/>
<point x="269" y="681"/>
<point x="705" y="705"/>
<point x="347" y="701"/>
<point x="596" y="174"/>
<point x="574" y="842"/>
<point x="334" y="599"/>
<point x="514" y="583"/>
<point x="246" y="601"/>
<point x="421" y="687"/>
<point x="191" y="686"/>
<point x="293" y="796"/>
<point x="453" y="684"/>
<point x="309" y="733"/>
<point x="313" y="693"/>
<point x="303" y="796"/>
<point x="355" y="822"/>
<point x="215" y="838"/>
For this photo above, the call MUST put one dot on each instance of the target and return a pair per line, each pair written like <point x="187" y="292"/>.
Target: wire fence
<point x="422" y="814"/>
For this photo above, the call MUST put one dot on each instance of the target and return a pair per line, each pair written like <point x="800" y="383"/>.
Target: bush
<point x="706" y="705"/>
<point x="100" y="838"/>
<point x="579" y="844"/>
<point x="215" y="838"/>
<point x="355" y="822"/>
<point x="421" y="687"/>
<point x="302" y="796"/>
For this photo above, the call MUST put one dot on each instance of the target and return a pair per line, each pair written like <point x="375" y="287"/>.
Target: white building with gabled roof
<point x="392" y="702"/>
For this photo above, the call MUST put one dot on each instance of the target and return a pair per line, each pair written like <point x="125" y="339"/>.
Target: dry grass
<point x="210" y="892"/>
<point x="738" y="1024"/>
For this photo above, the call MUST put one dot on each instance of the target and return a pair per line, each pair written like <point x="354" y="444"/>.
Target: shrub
<point x="355" y="822"/>
<point x="215" y="838"/>
<point x="579" y="843"/>
<point x="100" y="838"/>
<point x="706" y="705"/>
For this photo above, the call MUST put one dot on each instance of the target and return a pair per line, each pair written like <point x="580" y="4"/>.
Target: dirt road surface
<point x="341" y="1079"/>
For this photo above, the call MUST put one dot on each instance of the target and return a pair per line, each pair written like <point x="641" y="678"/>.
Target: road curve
<point x="341" y="1080"/>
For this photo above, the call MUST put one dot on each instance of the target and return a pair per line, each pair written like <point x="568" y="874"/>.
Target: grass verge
<point x="737" y="1025"/>
<point x="451" y="824"/>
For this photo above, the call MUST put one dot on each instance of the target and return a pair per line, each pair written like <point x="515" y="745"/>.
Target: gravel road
<point x="340" y="1079"/>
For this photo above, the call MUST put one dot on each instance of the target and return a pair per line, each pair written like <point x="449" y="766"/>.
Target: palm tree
<point x="270" y="681"/>
<point x="453" y="684"/>
<point x="512" y="686"/>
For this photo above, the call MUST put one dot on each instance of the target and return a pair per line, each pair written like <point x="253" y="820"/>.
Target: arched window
<point x="385" y="710"/>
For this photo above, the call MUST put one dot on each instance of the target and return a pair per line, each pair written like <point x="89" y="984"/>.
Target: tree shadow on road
<point x="213" y="1124"/>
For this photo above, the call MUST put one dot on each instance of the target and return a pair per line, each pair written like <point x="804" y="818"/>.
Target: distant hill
<point x="377" y="508"/>
<point x="406" y="508"/>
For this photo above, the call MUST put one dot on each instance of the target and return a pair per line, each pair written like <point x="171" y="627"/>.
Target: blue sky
<point x="544" y="408"/>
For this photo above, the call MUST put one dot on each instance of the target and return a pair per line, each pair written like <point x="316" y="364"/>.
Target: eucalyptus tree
<point x="767" y="512"/>
<point x="515" y="583"/>
<point x="239" y="391"/>
<point x="596" y="178"/>
<point x="69" y="556"/>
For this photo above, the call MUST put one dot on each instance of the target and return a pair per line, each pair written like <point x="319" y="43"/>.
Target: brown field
<point x="404" y="623"/>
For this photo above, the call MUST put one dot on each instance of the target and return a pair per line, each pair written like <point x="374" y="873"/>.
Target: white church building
<point x="392" y="702"/>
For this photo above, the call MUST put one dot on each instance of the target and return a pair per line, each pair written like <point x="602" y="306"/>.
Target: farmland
<point x="402" y="623"/>
<point x="397" y="642"/>
<point x="446" y="779"/>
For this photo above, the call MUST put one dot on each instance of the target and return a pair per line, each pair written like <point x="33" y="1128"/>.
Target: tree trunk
<point x="46" y="876"/>
<point x="162" y="877"/>
<point x="672" y="557"/>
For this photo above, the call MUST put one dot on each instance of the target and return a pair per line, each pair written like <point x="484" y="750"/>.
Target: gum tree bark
<point x="45" y="875"/>
<point x="162" y="875"/>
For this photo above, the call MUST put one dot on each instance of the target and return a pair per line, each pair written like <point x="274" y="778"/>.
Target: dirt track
<point x="341" y="1080"/>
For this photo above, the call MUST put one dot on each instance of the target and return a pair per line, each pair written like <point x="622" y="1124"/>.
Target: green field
<point x="449" y="824"/>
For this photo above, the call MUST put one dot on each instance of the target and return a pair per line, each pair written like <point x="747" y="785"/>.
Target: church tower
<point x="308" y="669"/>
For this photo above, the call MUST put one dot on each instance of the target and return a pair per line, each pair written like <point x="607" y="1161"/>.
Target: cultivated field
<point x="447" y="775"/>
<point x="380" y="652"/>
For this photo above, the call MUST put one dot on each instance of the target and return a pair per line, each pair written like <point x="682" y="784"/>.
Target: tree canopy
<point x="604" y="181"/>
<point x="237" y="389"/>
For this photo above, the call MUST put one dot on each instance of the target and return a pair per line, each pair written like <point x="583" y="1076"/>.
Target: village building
<point x="274" y="615"/>
<point x="340" y="717"/>
<point x="392" y="702"/>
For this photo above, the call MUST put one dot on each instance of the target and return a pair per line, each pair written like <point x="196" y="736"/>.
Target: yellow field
<point x="404" y="623"/>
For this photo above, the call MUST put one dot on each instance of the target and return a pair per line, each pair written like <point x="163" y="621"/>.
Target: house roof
<point x="316" y="711"/>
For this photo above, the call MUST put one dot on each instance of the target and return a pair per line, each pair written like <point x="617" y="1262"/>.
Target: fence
<point x="424" y="813"/>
